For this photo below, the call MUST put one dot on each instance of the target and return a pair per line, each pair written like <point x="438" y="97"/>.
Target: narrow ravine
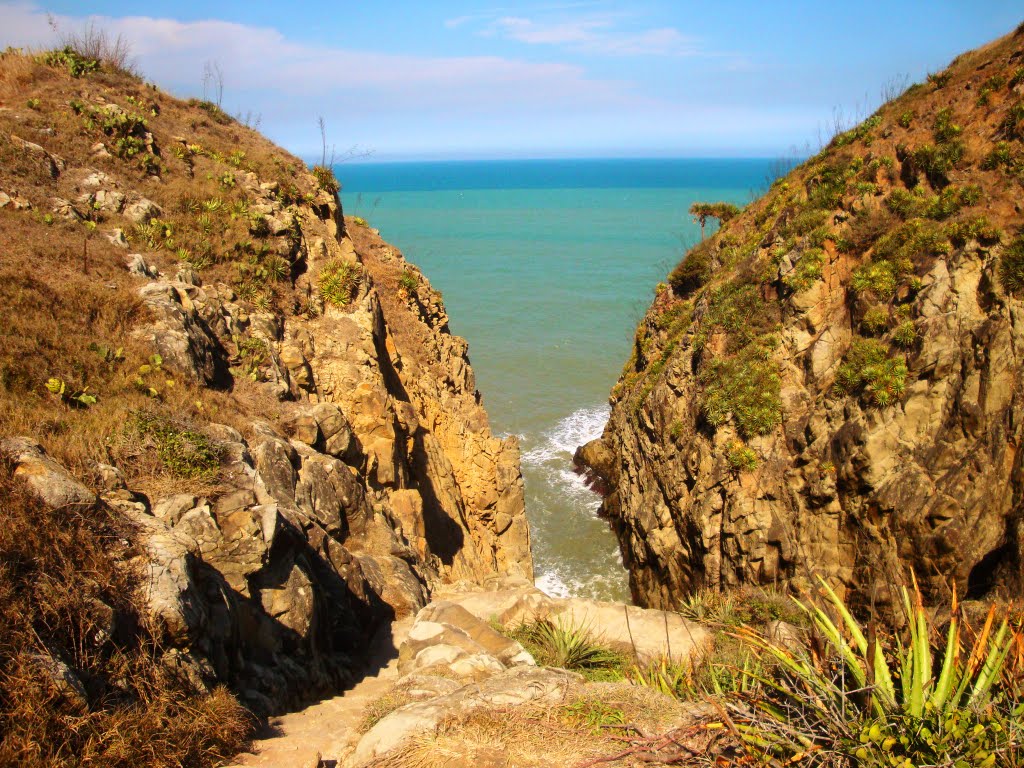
<point x="545" y="268"/>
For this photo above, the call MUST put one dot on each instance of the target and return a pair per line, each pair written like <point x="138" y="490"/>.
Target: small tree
<point x="701" y="212"/>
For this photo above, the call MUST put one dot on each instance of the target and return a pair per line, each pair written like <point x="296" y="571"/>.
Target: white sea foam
<point x="551" y="584"/>
<point x="567" y="435"/>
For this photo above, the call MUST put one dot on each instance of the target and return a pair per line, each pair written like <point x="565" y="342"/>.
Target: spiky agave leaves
<point x="857" y="698"/>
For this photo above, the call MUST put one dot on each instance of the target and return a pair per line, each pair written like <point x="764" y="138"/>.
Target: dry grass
<point x="589" y="721"/>
<point x="66" y="594"/>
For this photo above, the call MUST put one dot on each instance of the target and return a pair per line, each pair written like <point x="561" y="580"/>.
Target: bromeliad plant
<point x="855" y="700"/>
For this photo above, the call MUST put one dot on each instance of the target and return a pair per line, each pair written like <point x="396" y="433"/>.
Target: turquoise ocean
<point x="546" y="266"/>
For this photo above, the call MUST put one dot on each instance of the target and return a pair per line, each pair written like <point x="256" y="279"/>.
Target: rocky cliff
<point x="194" y="332"/>
<point x="831" y="384"/>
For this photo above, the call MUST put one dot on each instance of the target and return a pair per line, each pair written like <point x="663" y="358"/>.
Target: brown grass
<point x="549" y="734"/>
<point x="66" y="594"/>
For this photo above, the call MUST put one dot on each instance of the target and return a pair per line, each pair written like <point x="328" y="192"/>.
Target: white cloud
<point x="587" y="33"/>
<point x="285" y="80"/>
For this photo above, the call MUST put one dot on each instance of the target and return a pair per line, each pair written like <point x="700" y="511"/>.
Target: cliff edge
<point x="198" y="343"/>
<point x="831" y="384"/>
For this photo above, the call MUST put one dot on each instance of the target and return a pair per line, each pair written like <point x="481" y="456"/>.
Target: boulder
<point x="47" y="479"/>
<point x="509" y="689"/>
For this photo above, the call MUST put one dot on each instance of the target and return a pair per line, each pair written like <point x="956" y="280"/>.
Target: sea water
<point x="546" y="266"/>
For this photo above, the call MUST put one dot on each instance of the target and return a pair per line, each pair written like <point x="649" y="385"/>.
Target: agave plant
<point x="859" y="701"/>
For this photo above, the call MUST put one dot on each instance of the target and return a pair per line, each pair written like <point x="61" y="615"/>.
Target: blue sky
<point x="451" y="79"/>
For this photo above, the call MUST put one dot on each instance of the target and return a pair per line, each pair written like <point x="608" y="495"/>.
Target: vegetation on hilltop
<point x="93" y="159"/>
<point x="874" y="208"/>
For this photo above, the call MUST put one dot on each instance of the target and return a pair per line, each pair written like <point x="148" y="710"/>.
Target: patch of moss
<point x="183" y="451"/>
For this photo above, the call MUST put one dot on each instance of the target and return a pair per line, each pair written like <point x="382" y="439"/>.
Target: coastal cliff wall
<point x="831" y="384"/>
<point x="201" y="343"/>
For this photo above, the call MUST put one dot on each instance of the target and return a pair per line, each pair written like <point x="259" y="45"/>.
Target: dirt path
<point x="329" y="728"/>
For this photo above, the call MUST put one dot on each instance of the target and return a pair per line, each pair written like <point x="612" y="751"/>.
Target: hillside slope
<point x="831" y="384"/>
<point x="194" y="340"/>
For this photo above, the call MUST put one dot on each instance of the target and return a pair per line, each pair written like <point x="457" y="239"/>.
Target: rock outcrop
<point x="455" y="665"/>
<point x="832" y="384"/>
<point x="359" y="474"/>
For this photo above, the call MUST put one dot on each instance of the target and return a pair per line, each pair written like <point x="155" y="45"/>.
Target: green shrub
<point x="326" y="179"/>
<point x="217" y="114"/>
<point x="991" y="85"/>
<point x="906" y="119"/>
<point x="554" y="644"/>
<point x="944" y="129"/>
<point x="742" y="458"/>
<point x="807" y="220"/>
<point x="861" y="132"/>
<point x="875" y="320"/>
<point x="745" y="386"/>
<point x="701" y="212"/>
<point x="878" y="278"/>
<point x="909" y="204"/>
<point x="738" y="309"/>
<point x="1012" y="126"/>
<point x="940" y="79"/>
<point x="1011" y="266"/>
<point x="827" y="185"/>
<point x="868" y="368"/>
<point x="593" y="714"/>
<point x="693" y="271"/>
<point x="913" y="240"/>
<point x="75" y="63"/>
<point x="338" y="281"/>
<point x="854" y="696"/>
<point x="1001" y="156"/>
<point x="906" y="334"/>
<point x="183" y="451"/>
<point x="409" y="281"/>
<point x="975" y="228"/>
<point x="936" y="161"/>
<point x="807" y="270"/>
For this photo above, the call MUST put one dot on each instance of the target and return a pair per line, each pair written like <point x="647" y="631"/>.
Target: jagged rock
<point x="171" y="595"/>
<point x="51" y="164"/>
<point x="142" y="210"/>
<point x="117" y="238"/>
<point x="111" y="477"/>
<point x="181" y="335"/>
<point x="137" y="265"/>
<point x="64" y="681"/>
<point x="452" y="616"/>
<point x="64" y="209"/>
<point x="53" y="484"/>
<point x="15" y="202"/>
<point x="173" y="508"/>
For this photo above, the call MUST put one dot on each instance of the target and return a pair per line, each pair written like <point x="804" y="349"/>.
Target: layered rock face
<point x="378" y="481"/>
<point x="832" y="384"/>
<point x="366" y="477"/>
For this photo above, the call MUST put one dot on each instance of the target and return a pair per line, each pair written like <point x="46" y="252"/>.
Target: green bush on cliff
<point x="807" y="270"/>
<point x="745" y="386"/>
<point x="868" y="368"/>
<point x="1011" y="266"/>
<point x="338" y="281"/>
<point x="693" y="271"/>
<point x="184" y="452"/>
